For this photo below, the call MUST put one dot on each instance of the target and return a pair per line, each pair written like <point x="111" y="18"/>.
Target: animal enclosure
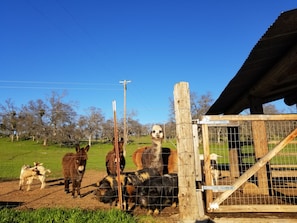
<point x="258" y="163"/>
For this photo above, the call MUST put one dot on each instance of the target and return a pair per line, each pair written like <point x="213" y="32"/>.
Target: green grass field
<point x="65" y="215"/>
<point x="13" y="155"/>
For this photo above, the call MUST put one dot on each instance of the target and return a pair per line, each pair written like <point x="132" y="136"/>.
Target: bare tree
<point x="270" y="109"/>
<point x="35" y="114"/>
<point x="61" y="120"/>
<point x="200" y="105"/>
<point x="91" y="124"/>
<point x="9" y="117"/>
<point x="108" y="129"/>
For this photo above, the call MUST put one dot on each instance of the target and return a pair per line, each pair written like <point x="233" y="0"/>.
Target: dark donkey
<point x="111" y="159"/>
<point x="74" y="166"/>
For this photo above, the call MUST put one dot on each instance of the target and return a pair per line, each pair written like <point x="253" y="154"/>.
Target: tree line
<point x="54" y="121"/>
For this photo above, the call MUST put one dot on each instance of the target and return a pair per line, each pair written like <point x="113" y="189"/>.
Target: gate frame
<point x="262" y="154"/>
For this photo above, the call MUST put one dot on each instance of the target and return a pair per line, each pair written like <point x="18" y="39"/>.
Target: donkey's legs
<point x="66" y="183"/>
<point x="74" y="187"/>
<point x="78" y="188"/>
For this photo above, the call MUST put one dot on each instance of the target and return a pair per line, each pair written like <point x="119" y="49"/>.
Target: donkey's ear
<point x="77" y="148"/>
<point x="87" y="148"/>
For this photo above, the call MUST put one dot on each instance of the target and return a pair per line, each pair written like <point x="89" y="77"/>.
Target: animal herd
<point x="153" y="185"/>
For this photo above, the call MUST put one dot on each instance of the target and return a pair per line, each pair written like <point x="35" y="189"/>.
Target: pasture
<point x="64" y="215"/>
<point x="15" y="154"/>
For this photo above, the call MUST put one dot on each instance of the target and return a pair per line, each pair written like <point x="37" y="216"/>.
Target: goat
<point x="28" y="173"/>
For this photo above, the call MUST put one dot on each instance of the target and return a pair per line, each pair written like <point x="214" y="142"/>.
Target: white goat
<point x="215" y="172"/>
<point x="28" y="173"/>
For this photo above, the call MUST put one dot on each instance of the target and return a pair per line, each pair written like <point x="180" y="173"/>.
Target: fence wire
<point x="235" y="145"/>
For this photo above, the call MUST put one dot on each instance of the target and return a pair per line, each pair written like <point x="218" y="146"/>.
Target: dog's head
<point x="157" y="132"/>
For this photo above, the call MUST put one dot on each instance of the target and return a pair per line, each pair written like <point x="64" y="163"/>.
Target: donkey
<point x="111" y="159"/>
<point x="74" y="166"/>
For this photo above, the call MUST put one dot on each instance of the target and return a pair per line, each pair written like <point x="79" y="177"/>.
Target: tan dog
<point x="28" y="174"/>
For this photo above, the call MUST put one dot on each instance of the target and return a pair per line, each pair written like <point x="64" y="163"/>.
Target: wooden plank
<point x="254" y="220"/>
<point x="206" y="168"/>
<point x="198" y="170"/>
<point x="185" y="148"/>
<point x="234" y="147"/>
<point x="283" y="173"/>
<point x="261" y="148"/>
<point x="255" y="208"/>
<point x="251" y="171"/>
<point x="234" y="164"/>
<point x="282" y="117"/>
<point x="285" y="166"/>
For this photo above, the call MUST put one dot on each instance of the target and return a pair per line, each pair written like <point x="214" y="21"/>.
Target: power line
<point x="49" y="82"/>
<point x="47" y="85"/>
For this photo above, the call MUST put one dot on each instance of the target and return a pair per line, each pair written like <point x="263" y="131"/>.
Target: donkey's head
<point x="81" y="158"/>
<point x="120" y="144"/>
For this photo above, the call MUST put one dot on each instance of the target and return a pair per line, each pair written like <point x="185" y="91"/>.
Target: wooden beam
<point x="188" y="204"/>
<point x="255" y="208"/>
<point x="261" y="148"/>
<point x="282" y="117"/>
<point x="251" y="171"/>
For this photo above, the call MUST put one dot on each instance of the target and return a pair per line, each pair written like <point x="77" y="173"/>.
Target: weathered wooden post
<point x="261" y="149"/>
<point x="189" y="208"/>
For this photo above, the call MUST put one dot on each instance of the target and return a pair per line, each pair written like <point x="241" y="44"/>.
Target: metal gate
<point x="257" y="162"/>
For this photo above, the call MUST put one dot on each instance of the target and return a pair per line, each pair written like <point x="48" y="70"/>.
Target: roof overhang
<point x="268" y="74"/>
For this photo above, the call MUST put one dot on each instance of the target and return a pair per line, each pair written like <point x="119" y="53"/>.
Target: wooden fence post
<point x="188" y="203"/>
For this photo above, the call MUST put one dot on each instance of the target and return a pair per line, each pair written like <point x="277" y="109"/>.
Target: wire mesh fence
<point x="257" y="163"/>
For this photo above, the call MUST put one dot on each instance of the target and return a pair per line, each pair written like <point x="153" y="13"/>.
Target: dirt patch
<point x="53" y="196"/>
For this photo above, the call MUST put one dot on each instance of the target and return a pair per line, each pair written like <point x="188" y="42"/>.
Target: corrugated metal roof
<point x="268" y="74"/>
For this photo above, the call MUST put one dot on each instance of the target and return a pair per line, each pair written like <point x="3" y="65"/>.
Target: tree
<point x="9" y="117"/>
<point x="270" y="109"/>
<point x="91" y="124"/>
<point x="61" y="120"/>
<point x="35" y="117"/>
<point x="200" y="105"/>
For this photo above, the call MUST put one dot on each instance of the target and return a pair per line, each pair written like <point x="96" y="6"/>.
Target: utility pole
<point x="125" y="82"/>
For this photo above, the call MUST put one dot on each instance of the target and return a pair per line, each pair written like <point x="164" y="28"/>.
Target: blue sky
<point x="87" y="47"/>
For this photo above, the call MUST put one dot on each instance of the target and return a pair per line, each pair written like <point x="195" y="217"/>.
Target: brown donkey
<point x="111" y="159"/>
<point x="74" y="166"/>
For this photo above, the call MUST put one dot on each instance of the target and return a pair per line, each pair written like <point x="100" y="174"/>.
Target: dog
<point x="214" y="170"/>
<point x="28" y="173"/>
